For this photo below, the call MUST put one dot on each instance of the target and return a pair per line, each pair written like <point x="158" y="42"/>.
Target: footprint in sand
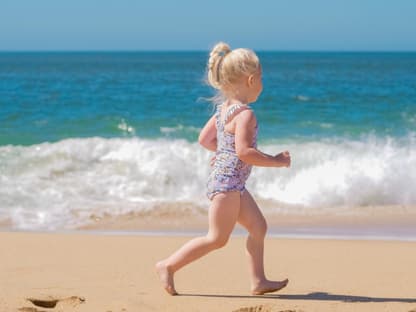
<point x="263" y="308"/>
<point x="51" y="303"/>
<point x="259" y="308"/>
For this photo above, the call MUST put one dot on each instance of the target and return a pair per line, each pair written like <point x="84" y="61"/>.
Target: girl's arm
<point x="208" y="135"/>
<point x="244" y="133"/>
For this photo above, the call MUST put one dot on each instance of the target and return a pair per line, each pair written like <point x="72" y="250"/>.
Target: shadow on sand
<point x="316" y="296"/>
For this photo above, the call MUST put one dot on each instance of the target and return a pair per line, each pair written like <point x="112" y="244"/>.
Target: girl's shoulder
<point x="235" y="109"/>
<point x="242" y="114"/>
<point x="246" y="115"/>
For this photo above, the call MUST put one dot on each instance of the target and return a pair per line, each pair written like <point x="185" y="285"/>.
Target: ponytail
<point x="216" y="58"/>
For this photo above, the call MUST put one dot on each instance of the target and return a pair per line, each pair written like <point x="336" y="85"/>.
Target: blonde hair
<point x="226" y="66"/>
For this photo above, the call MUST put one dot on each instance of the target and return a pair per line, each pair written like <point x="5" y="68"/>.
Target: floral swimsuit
<point x="228" y="173"/>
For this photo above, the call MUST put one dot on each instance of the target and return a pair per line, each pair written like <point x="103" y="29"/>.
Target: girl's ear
<point x="250" y="80"/>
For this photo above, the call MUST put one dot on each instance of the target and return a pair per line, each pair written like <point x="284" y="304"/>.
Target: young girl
<point x="231" y="133"/>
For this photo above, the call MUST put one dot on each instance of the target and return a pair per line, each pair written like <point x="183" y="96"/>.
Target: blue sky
<point x="346" y="25"/>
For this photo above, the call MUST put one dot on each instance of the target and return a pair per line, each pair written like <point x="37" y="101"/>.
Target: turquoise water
<point x="53" y="96"/>
<point x="94" y="133"/>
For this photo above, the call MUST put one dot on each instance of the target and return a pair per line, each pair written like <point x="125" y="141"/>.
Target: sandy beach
<point x="117" y="119"/>
<point x="86" y="271"/>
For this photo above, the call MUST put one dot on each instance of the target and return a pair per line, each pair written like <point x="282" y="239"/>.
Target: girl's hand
<point x="283" y="159"/>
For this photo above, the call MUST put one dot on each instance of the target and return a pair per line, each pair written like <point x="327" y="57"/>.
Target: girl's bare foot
<point x="166" y="278"/>
<point x="268" y="286"/>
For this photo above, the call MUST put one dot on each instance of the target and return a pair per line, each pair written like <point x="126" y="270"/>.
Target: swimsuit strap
<point x="218" y="116"/>
<point x="232" y="109"/>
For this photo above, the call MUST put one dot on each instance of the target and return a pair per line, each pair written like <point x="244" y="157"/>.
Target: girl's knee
<point x="217" y="241"/>
<point x="259" y="229"/>
<point x="264" y="229"/>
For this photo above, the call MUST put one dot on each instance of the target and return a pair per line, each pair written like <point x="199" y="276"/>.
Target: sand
<point x="91" y="272"/>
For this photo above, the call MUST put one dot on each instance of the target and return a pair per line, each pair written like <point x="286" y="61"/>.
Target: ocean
<point x="111" y="133"/>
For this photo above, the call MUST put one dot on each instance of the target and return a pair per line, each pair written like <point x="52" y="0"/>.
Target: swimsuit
<point x="228" y="173"/>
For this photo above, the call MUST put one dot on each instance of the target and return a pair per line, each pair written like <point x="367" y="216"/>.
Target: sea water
<point x="109" y="133"/>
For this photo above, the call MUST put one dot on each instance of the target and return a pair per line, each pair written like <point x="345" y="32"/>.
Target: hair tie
<point x="222" y="54"/>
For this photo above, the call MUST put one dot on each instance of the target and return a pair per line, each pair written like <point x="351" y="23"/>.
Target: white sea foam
<point x="302" y="98"/>
<point x="179" y="128"/>
<point x="126" y="128"/>
<point x="60" y="185"/>
<point x="344" y="173"/>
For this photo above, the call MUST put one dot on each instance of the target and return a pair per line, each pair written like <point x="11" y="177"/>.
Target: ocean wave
<point x="179" y="129"/>
<point x="409" y="118"/>
<point x="126" y="128"/>
<point x="302" y="98"/>
<point x="323" y="125"/>
<point x="340" y="172"/>
<point x="60" y="185"/>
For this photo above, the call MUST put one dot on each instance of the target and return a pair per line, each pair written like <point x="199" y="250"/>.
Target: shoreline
<point x="290" y="236"/>
<point x="327" y="233"/>
<point x="392" y="227"/>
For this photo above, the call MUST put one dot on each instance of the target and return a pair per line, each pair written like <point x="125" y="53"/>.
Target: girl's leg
<point x="253" y="220"/>
<point x="222" y="216"/>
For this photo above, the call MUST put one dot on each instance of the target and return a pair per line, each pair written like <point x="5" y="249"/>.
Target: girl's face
<point x="255" y="85"/>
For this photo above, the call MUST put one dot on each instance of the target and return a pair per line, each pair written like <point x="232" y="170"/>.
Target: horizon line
<point x="200" y="50"/>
